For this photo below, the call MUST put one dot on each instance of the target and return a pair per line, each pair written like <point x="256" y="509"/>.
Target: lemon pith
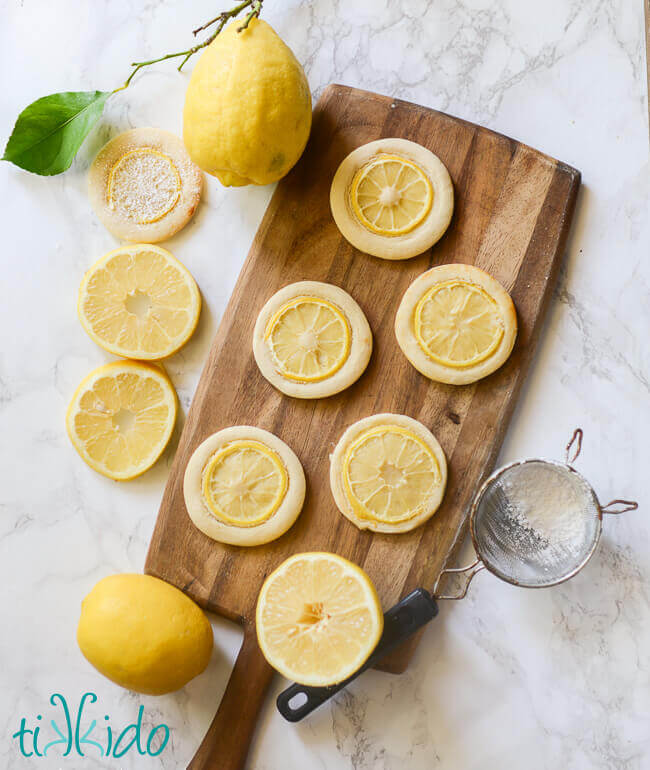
<point x="457" y="323"/>
<point x="139" y="302"/>
<point x="121" y="418"/>
<point x="244" y="483"/>
<point x="389" y="474"/>
<point x="309" y="339"/>
<point x="144" y="184"/>
<point x="318" y="618"/>
<point x="391" y="195"/>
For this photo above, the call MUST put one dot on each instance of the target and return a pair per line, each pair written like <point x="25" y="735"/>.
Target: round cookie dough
<point x="424" y="234"/>
<point x="143" y="185"/>
<point x="393" y="475"/>
<point x="290" y="501"/>
<point x="337" y="309"/>
<point x="502" y="309"/>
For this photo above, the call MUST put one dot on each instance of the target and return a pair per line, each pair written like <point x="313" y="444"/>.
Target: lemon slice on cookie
<point x="311" y="340"/>
<point x="456" y="324"/>
<point x="243" y="486"/>
<point x="388" y="473"/>
<point x="392" y="198"/>
<point x="143" y="185"/>
<point x="318" y="618"/>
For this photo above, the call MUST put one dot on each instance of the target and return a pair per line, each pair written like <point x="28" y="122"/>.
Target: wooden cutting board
<point x="512" y="216"/>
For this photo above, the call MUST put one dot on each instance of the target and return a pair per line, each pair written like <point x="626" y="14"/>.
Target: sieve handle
<point x="400" y="621"/>
<point x="619" y="506"/>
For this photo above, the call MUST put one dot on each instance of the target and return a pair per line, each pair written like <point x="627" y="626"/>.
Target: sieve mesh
<point x="535" y="523"/>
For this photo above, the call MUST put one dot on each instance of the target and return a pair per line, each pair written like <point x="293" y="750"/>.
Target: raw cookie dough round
<point x="243" y="486"/>
<point x="410" y="223"/>
<point x="311" y="340"/>
<point x="388" y="473"/>
<point x="143" y="185"/>
<point x="456" y="324"/>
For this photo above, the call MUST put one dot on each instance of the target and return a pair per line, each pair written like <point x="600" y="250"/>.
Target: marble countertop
<point x="507" y="678"/>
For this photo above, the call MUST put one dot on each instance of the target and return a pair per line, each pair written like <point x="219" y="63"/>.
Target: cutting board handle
<point x="226" y="743"/>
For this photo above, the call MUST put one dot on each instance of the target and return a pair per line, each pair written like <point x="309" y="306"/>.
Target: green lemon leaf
<point x="50" y="131"/>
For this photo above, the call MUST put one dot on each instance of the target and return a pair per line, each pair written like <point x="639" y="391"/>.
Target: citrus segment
<point x="390" y="474"/>
<point x="318" y="618"/>
<point x="139" y="302"/>
<point x="244" y="483"/>
<point x="391" y="195"/>
<point x="458" y="324"/>
<point x="143" y="185"/>
<point x="309" y="339"/>
<point x="121" y="418"/>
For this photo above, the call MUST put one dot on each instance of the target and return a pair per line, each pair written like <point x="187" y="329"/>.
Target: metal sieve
<point x="534" y="523"/>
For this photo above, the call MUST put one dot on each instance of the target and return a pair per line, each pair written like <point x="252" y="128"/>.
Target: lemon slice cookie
<point x="388" y="473"/>
<point x="318" y="618"/>
<point x="121" y="418"/>
<point x="312" y="340"/>
<point x="144" y="186"/>
<point x="456" y="324"/>
<point x="392" y="198"/>
<point x="139" y="302"/>
<point x="244" y="486"/>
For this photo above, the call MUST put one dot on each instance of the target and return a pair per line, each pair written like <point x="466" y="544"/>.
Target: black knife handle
<point x="400" y="621"/>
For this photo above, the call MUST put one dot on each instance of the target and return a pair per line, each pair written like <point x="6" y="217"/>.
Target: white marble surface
<point x="506" y="679"/>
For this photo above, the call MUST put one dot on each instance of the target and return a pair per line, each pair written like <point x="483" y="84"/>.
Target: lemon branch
<point x="220" y="20"/>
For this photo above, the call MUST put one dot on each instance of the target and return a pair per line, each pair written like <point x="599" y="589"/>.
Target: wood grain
<point x="513" y="212"/>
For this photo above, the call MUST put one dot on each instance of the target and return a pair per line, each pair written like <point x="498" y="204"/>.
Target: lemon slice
<point x="309" y="339"/>
<point x="392" y="198"/>
<point x="121" y="418"/>
<point x="456" y="324"/>
<point x="391" y="195"/>
<point x="143" y="185"/>
<point x="243" y="486"/>
<point x="244" y="483"/>
<point x="139" y="302"/>
<point x="318" y="618"/>
<point x="388" y="473"/>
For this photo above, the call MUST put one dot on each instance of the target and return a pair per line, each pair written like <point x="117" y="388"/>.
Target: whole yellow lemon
<point x="144" y="634"/>
<point x="247" y="111"/>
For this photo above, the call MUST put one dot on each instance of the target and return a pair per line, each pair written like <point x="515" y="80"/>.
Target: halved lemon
<point x="457" y="323"/>
<point x="390" y="474"/>
<point x="318" y="618"/>
<point x="121" y="418"/>
<point x="139" y="302"/>
<point x="309" y="339"/>
<point x="244" y="483"/>
<point x="391" y="195"/>
<point x="143" y="185"/>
